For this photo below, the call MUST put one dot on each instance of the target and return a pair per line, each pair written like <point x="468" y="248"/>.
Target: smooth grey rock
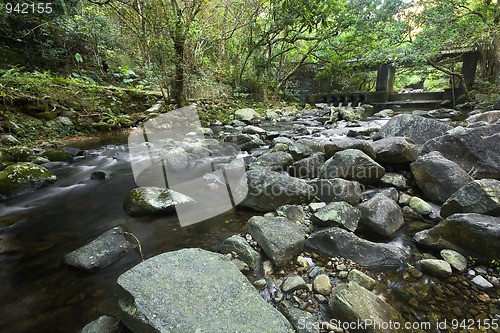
<point x="420" y="206"/>
<point x="308" y="167"/>
<point x="336" y="189"/>
<point x="322" y="285"/>
<point x="268" y="190"/>
<point x="438" y="177"/>
<point x="153" y="201"/>
<point x="279" y="238"/>
<point x="293" y="213"/>
<point x="274" y="161"/>
<point x="250" y="129"/>
<point x="362" y="279"/>
<point x="337" y="242"/>
<point x="244" y="251"/>
<point x="417" y="128"/>
<point x="23" y="177"/>
<point x="479" y="196"/>
<point x="354" y="304"/>
<point x="193" y="290"/>
<point x="100" y="175"/>
<point x="337" y="214"/>
<point x="293" y="283"/>
<point x="101" y="252"/>
<point x="342" y="144"/>
<point x="302" y="321"/>
<point x="303" y="148"/>
<point x="473" y="235"/>
<point x="249" y="116"/>
<point x="395" y="150"/>
<point x="481" y="283"/>
<point x="455" y="259"/>
<point x="380" y="215"/>
<point x="435" y="267"/>
<point x="103" y="324"/>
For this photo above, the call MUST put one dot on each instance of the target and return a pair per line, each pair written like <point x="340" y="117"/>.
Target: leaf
<point x="78" y="57"/>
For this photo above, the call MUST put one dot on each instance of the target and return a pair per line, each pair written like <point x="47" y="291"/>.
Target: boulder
<point x="342" y="144"/>
<point x="268" y="190"/>
<point x="249" y="116"/>
<point x="245" y="252"/>
<point x="303" y="148"/>
<point x="337" y="242"/>
<point x="395" y="150"/>
<point x="473" y="235"/>
<point x="153" y="201"/>
<point x="193" y="290"/>
<point x="362" y="279"/>
<point x="473" y="149"/>
<point x="438" y="177"/>
<point x="24" y="177"/>
<point x="389" y="192"/>
<point x="337" y="214"/>
<point x="435" y="267"/>
<point x="101" y="252"/>
<point x="103" y="324"/>
<point x="279" y="238"/>
<point x="489" y="117"/>
<point x="274" y="161"/>
<point x="17" y="154"/>
<point x="417" y="128"/>
<point x="307" y="167"/>
<point x="55" y="155"/>
<point x="479" y="196"/>
<point x="302" y="321"/>
<point x="455" y="259"/>
<point x="336" y="189"/>
<point x="351" y="303"/>
<point x="380" y="215"/>
<point x="352" y="164"/>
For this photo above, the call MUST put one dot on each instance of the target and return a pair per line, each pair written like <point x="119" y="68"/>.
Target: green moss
<point x="22" y="176"/>
<point x="57" y="156"/>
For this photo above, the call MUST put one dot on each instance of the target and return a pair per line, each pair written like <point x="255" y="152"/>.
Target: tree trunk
<point x="268" y="73"/>
<point x="178" y="90"/>
<point x="496" y="47"/>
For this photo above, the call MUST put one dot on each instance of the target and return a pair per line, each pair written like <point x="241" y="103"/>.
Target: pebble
<point x="322" y="285"/>
<point x="293" y="283"/>
<point x="260" y="284"/>
<point x="320" y="298"/>
<point x="302" y="261"/>
<point x="481" y="283"/>
<point x="341" y="267"/>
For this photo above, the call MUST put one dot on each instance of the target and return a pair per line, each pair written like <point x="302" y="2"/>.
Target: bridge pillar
<point x="385" y="78"/>
<point x="469" y="66"/>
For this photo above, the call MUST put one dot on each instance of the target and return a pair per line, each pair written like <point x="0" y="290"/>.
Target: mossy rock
<point x="23" y="177"/>
<point x="16" y="154"/>
<point x="46" y="115"/>
<point x="57" y="156"/>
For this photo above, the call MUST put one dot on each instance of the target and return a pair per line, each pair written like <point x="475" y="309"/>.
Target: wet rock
<point x="249" y="116"/>
<point x="336" y="189"/>
<point x="24" y="177"/>
<point x="479" y="196"/>
<point x="153" y="201"/>
<point x="435" y="267"/>
<point x="352" y="303"/>
<point x="352" y="164"/>
<point x="103" y="324"/>
<point x="473" y="150"/>
<point x="420" y="206"/>
<point x="268" y="190"/>
<point x="337" y="242"/>
<point x="337" y="214"/>
<point x="303" y="148"/>
<point x="322" y="285"/>
<point x="395" y="150"/>
<point x="177" y="159"/>
<point x="308" y="167"/>
<point x="260" y="284"/>
<point x="363" y="132"/>
<point x="362" y="279"/>
<point x="206" y="290"/>
<point x="245" y="252"/>
<point x="490" y="117"/>
<point x="385" y="113"/>
<point x="302" y="321"/>
<point x="57" y="156"/>
<point x="481" y="283"/>
<point x="293" y="213"/>
<point x="100" y="174"/>
<point x="417" y="128"/>
<point x="245" y="142"/>
<point x="293" y="283"/>
<point x="380" y="215"/>
<point x="474" y="235"/>
<point x="394" y="179"/>
<point x="455" y="259"/>
<point x="274" y="161"/>
<point x="101" y="252"/>
<point x="73" y="151"/>
<point x="343" y="144"/>
<point x="250" y="129"/>
<point x="315" y="206"/>
<point x="299" y="129"/>
<point x="279" y="238"/>
<point x="438" y="177"/>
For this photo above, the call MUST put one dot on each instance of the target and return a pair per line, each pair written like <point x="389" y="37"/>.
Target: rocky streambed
<point x="340" y="221"/>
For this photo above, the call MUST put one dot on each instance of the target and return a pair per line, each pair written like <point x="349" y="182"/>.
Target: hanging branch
<point x="452" y="73"/>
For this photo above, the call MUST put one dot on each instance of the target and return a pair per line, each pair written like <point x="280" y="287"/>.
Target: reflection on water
<point x="41" y="294"/>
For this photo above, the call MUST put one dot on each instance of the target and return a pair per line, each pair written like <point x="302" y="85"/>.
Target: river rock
<point x="24" y="177"/>
<point x="455" y="259"/>
<point x="438" y="177"/>
<point x="481" y="283"/>
<point x="250" y="129"/>
<point x="274" y="161"/>
<point x="101" y="252"/>
<point x="336" y="189"/>
<point x="245" y="142"/>
<point x="362" y="279"/>
<point x="352" y="164"/>
<point x="322" y="285"/>
<point x="342" y="144"/>
<point x="479" y="196"/>
<point x="337" y="242"/>
<point x="308" y="167"/>
<point x="293" y="283"/>
<point x="417" y="128"/>
<point x="193" y="290"/>
<point x="281" y="239"/>
<point x="389" y="192"/>
<point x="490" y="117"/>
<point x="249" y="116"/>
<point x="303" y="148"/>
<point x="474" y="150"/>
<point x="351" y="303"/>
<point x="473" y="235"/>
<point x="245" y="252"/>
<point x="268" y="190"/>
<point x="302" y="321"/>
<point x="100" y="175"/>
<point x="153" y="201"/>
<point x="380" y="215"/>
<point x="394" y="179"/>
<point x="435" y="267"/>
<point x="17" y="154"/>
<point x="103" y="324"/>
<point x="299" y="129"/>
<point x="337" y="214"/>
<point x="291" y="212"/>
<point x="177" y="159"/>
<point x="395" y="150"/>
<point x="56" y="155"/>
<point x="420" y="206"/>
